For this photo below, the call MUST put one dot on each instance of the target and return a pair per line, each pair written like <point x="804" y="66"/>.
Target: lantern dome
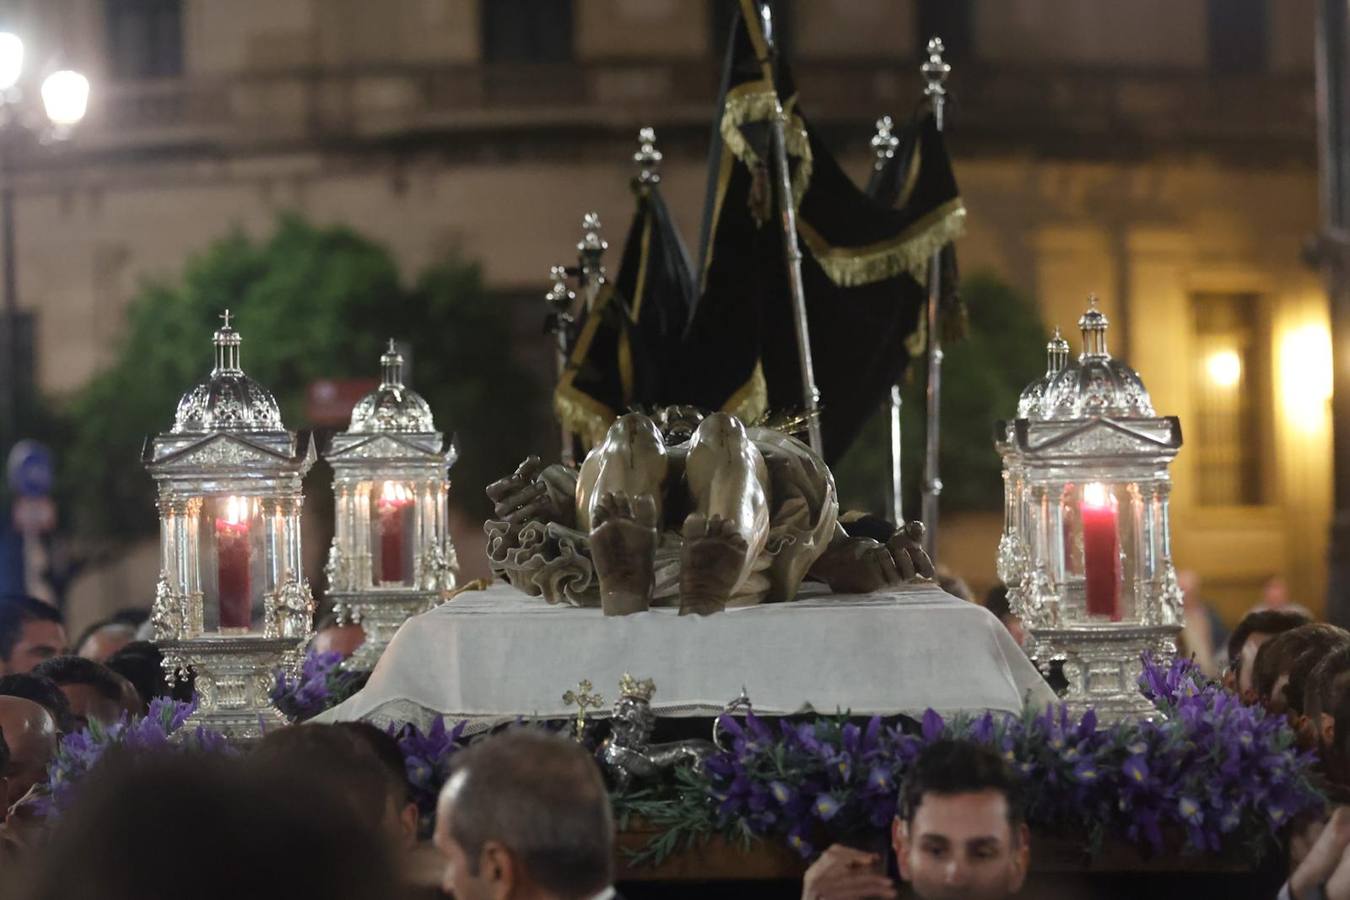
<point x="1056" y="358"/>
<point x="228" y="400"/>
<point x="392" y="407"/>
<point x="1095" y="385"/>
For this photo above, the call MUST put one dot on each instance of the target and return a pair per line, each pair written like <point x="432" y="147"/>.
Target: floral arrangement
<point x="80" y="751"/>
<point x="321" y="684"/>
<point x="426" y="759"/>
<point x="1211" y="775"/>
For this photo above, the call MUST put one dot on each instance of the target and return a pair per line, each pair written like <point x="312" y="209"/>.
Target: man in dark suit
<point x="525" y="816"/>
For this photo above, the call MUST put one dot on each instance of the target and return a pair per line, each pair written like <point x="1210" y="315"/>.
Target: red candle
<point x="395" y="498"/>
<point x="1101" y="551"/>
<point x="233" y="552"/>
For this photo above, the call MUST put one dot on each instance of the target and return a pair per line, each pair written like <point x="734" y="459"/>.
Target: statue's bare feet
<point x="710" y="564"/>
<point x="623" y="549"/>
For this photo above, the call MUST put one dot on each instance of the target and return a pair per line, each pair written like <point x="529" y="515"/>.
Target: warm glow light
<point x="1305" y="370"/>
<point x="11" y="60"/>
<point x="237" y="511"/>
<point x="65" y="95"/>
<point x="395" y="493"/>
<point x="1224" y="368"/>
<point x="1096" y="495"/>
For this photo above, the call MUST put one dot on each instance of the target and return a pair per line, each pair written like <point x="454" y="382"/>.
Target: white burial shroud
<point x="496" y="654"/>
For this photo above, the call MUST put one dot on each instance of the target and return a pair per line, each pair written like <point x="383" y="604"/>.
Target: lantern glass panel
<point x="1097" y="527"/>
<point x="233" y="536"/>
<point x="393" y="532"/>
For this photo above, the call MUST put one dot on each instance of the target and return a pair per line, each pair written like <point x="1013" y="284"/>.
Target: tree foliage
<point x="310" y="303"/>
<point x="982" y="377"/>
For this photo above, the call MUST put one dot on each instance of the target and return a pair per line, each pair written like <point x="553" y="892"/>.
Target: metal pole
<point x="561" y="299"/>
<point x="884" y="144"/>
<point x="935" y="72"/>
<point x="10" y="371"/>
<point x="1333" y="92"/>
<point x="792" y="251"/>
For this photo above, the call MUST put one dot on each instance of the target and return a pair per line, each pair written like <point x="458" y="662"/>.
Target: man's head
<point x="1255" y="629"/>
<point x="103" y="639"/>
<point x="95" y="692"/>
<point x="30" y="734"/>
<point x="959" y="831"/>
<point x="139" y="828"/>
<point x="1282" y="665"/>
<point x="340" y="757"/>
<point x="332" y="636"/>
<point x="43" y="692"/>
<point x="400" y="815"/>
<point x="525" y="814"/>
<point x="996" y="601"/>
<point x="30" y="631"/>
<point x="1327" y="686"/>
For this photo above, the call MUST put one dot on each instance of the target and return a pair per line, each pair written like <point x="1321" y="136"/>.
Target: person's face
<point x="39" y="640"/>
<point x="87" y="704"/>
<point x="962" y="847"/>
<point x="490" y="877"/>
<point x="1247" y="661"/>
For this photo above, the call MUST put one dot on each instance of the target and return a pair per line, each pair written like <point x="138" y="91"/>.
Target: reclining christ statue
<point x="685" y="510"/>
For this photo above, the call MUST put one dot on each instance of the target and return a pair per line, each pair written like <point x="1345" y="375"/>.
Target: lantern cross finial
<point x="225" y="317"/>
<point x="582" y="699"/>
<point x="393" y="346"/>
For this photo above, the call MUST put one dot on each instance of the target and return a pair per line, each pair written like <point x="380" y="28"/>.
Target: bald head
<point x="30" y="733"/>
<point x="103" y="641"/>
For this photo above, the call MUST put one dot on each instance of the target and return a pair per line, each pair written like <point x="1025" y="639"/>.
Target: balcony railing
<point x="1059" y="110"/>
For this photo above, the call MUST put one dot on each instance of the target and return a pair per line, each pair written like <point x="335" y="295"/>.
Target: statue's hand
<point x="523" y="497"/>
<point x="856" y="565"/>
<point x="906" y="547"/>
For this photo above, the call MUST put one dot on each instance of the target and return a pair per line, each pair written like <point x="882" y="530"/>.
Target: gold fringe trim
<point x="750" y="402"/>
<point x="909" y="252"/>
<point x="581" y="414"/>
<point x="756" y="101"/>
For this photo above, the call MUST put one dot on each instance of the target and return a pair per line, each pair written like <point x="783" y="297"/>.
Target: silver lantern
<point x="232" y="603"/>
<point x="391" y="555"/>
<point x="1086" y="551"/>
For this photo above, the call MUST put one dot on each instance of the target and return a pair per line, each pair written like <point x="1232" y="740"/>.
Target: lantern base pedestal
<point x="381" y="615"/>
<point x="1103" y="663"/>
<point x="234" y="681"/>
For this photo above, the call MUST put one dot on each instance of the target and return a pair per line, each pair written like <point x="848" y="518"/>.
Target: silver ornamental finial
<point x="648" y="157"/>
<point x="884" y="142"/>
<point x="935" y="71"/>
<point x="591" y="247"/>
<point x="1093" y="325"/>
<point x="391" y="367"/>
<point x="1056" y="354"/>
<point x="227" y="342"/>
<point x="559" y="296"/>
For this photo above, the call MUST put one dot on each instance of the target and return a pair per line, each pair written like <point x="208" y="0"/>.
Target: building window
<point x="145" y="38"/>
<point x="1237" y="36"/>
<point x="1230" y="393"/>
<point x="950" y="20"/>
<point x="526" y="31"/>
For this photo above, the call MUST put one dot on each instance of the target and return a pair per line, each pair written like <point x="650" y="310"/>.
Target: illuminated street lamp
<point x="65" y="100"/>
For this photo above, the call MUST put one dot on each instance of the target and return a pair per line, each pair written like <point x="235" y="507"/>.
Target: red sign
<point x="329" y="401"/>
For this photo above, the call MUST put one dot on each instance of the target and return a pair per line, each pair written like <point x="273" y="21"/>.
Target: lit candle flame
<point x="1096" y="495"/>
<point x="395" y="493"/>
<point x="238" y="510"/>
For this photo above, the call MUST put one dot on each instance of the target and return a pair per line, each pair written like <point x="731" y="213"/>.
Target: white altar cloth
<point x="497" y="654"/>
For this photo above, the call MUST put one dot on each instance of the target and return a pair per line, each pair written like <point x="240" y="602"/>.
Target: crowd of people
<point x="525" y="813"/>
